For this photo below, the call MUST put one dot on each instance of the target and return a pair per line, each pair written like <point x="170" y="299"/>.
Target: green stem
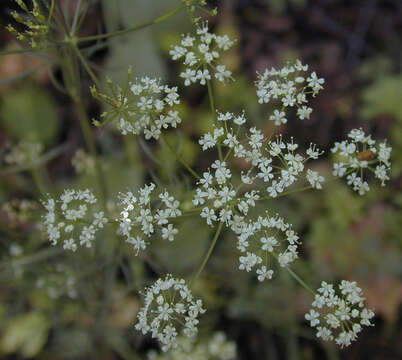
<point x="213" y="110"/>
<point x="300" y="281"/>
<point x="90" y="142"/>
<point x="287" y="193"/>
<point x="38" y="179"/>
<point x="76" y="14"/>
<point x="51" y="11"/>
<point x="134" y="28"/>
<point x="208" y="255"/>
<point x="178" y="157"/>
<point x="37" y="257"/>
<point x="86" y="65"/>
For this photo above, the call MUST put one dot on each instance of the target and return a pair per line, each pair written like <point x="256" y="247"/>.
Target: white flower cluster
<point x="273" y="162"/>
<point x="200" y="53"/>
<point x="138" y="219"/>
<point x="83" y="162"/>
<point x="73" y="216"/>
<point x="220" y="198"/>
<point x="257" y="240"/>
<point x="289" y="85"/>
<point x="168" y="306"/>
<point x="358" y="154"/>
<point x="216" y="348"/>
<point x="151" y="109"/>
<point x="339" y="317"/>
<point x="25" y="153"/>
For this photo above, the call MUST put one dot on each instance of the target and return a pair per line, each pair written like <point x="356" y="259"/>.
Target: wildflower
<point x="357" y="155"/>
<point x="260" y="239"/>
<point x="290" y="86"/>
<point x="168" y="306"/>
<point x="83" y="162"/>
<point x="315" y="179"/>
<point x="145" y="106"/>
<point x="140" y="216"/>
<point x="73" y="214"/>
<point x="340" y="314"/>
<point x="25" y="153"/>
<point x="216" y="347"/>
<point x="199" y="55"/>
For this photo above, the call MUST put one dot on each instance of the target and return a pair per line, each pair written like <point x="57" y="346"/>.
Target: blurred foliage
<point x="30" y="111"/>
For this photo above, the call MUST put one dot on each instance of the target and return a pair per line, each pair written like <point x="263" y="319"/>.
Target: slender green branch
<point x="213" y="110"/>
<point x="37" y="257"/>
<point x="39" y="182"/>
<point x="178" y="157"/>
<point x="287" y="193"/>
<point x="300" y="281"/>
<point x="134" y="28"/>
<point x="209" y="252"/>
<point x="51" y="11"/>
<point x="86" y="65"/>
<point x="40" y="161"/>
<point x="90" y="142"/>
<point x="76" y="14"/>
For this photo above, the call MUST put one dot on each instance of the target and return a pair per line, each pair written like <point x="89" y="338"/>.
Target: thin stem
<point x="178" y="157"/>
<point x="208" y="255"/>
<point x="86" y="66"/>
<point x="36" y="257"/>
<point x="287" y="193"/>
<point x="39" y="182"/>
<point x="51" y="11"/>
<point x="76" y="14"/>
<point x="90" y="142"/>
<point x="213" y="110"/>
<point x="134" y="28"/>
<point x="300" y="281"/>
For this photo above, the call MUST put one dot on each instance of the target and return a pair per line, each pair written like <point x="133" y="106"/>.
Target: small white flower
<point x="169" y="307"/>
<point x="343" y="313"/>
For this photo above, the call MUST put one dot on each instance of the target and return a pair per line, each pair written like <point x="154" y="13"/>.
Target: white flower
<point x="289" y="87"/>
<point x="202" y="52"/>
<point x="359" y="155"/>
<point x="169" y="307"/>
<point x="278" y="117"/>
<point x="148" y="107"/>
<point x="343" y="313"/>
<point x="259" y="247"/>
<point x="140" y="215"/>
<point x="315" y="179"/>
<point x="73" y="212"/>
<point x="222" y="74"/>
<point x="263" y="273"/>
<point x="169" y="232"/>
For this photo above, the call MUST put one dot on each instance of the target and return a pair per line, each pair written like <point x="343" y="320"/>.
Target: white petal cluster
<point x="73" y="219"/>
<point x="149" y="108"/>
<point x="276" y="163"/>
<point x="218" y="347"/>
<point x="259" y="240"/>
<point x="291" y="87"/>
<point x="25" y="153"/>
<point x="169" y="308"/>
<point x="315" y="179"/>
<point x="339" y="316"/>
<point x="141" y="214"/>
<point x="83" y="162"/>
<point x="200" y="54"/>
<point x="219" y="198"/>
<point x="360" y="154"/>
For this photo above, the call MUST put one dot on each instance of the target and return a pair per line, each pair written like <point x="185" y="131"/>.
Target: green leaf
<point x="26" y="333"/>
